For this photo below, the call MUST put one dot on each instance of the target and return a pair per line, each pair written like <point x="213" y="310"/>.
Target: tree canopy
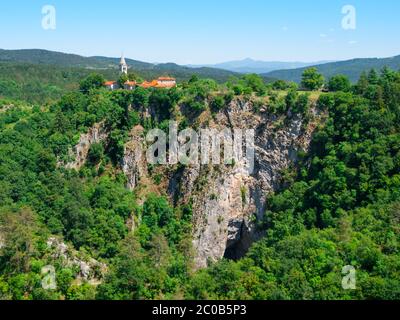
<point x="340" y="207"/>
<point x="312" y="80"/>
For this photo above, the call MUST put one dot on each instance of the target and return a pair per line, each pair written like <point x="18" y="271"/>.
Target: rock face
<point x="5" y="108"/>
<point x="220" y="212"/>
<point x="134" y="161"/>
<point x="226" y="209"/>
<point x="90" y="270"/>
<point x="79" y="153"/>
<point x="227" y="200"/>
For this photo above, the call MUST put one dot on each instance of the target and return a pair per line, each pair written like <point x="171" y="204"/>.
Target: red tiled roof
<point x="109" y="83"/>
<point x="151" y="84"/>
<point x="130" y="83"/>
<point x="166" y="79"/>
<point x="159" y="83"/>
<point x="165" y="85"/>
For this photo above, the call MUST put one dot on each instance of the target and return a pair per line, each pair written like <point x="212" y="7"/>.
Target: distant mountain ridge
<point x="351" y="68"/>
<point x="46" y="57"/>
<point x="255" y="66"/>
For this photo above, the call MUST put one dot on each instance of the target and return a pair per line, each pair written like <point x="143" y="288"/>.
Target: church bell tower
<point x="123" y="67"/>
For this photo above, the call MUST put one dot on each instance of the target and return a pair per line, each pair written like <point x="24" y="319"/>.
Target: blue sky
<point x="206" y="31"/>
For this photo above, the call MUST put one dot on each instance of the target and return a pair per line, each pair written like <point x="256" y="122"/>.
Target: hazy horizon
<point x="202" y="64"/>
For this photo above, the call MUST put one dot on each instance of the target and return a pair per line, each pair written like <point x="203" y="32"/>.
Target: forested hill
<point x="37" y="56"/>
<point x="45" y="57"/>
<point x="41" y="83"/>
<point x="351" y="68"/>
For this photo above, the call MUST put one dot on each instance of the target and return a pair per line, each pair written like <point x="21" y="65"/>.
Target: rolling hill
<point x="351" y="68"/>
<point x="98" y="63"/>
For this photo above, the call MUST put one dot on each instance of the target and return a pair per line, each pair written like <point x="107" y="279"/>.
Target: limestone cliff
<point x="134" y="161"/>
<point x="227" y="200"/>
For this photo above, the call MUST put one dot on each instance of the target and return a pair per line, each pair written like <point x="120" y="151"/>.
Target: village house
<point x="166" y="82"/>
<point x="130" y="85"/>
<point x="111" y="85"/>
<point x="149" y="84"/>
<point x="161" y="82"/>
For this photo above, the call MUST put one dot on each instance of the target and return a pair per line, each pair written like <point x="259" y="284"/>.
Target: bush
<point x="198" y="106"/>
<point x="303" y="104"/>
<point x="217" y="103"/>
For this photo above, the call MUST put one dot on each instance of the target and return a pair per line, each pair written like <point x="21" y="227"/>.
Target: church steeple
<point x="123" y="67"/>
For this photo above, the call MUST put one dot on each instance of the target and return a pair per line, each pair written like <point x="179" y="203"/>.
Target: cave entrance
<point x="237" y="247"/>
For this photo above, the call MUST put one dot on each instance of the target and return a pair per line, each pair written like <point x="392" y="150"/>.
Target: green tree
<point x="194" y="78"/>
<point x="362" y="84"/>
<point x="96" y="153"/>
<point x="19" y="235"/>
<point x="122" y="79"/>
<point x="140" y="98"/>
<point x="93" y="81"/>
<point x="255" y="82"/>
<point x="280" y="85"/>
<point x="373" y="77"/>
<point x="217" y="103"/>
<point x="312" y="80"/>
<point x="339" y="83"/>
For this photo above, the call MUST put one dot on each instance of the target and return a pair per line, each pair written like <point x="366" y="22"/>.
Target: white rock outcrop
<point x="134" y="163"/>
<point x="79" y="153"/>
<point x="90" y="270"/>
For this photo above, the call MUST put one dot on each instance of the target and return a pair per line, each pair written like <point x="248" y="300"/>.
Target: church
<point x="161" y="82"/>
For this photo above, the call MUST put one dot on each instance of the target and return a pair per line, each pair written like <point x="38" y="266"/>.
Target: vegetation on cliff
<point x="342" y="208"/>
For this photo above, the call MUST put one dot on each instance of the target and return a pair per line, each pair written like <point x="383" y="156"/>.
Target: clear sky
<point x="206" y="31"/>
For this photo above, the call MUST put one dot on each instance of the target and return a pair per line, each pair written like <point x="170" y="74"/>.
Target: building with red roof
<point x="111" y="85"/>
<point x="162" y="82"/>
<point x="130" y="85"/>
<point x="166" y="82"/>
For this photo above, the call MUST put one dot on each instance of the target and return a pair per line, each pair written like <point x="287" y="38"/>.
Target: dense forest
<point x="340" y="206"/>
